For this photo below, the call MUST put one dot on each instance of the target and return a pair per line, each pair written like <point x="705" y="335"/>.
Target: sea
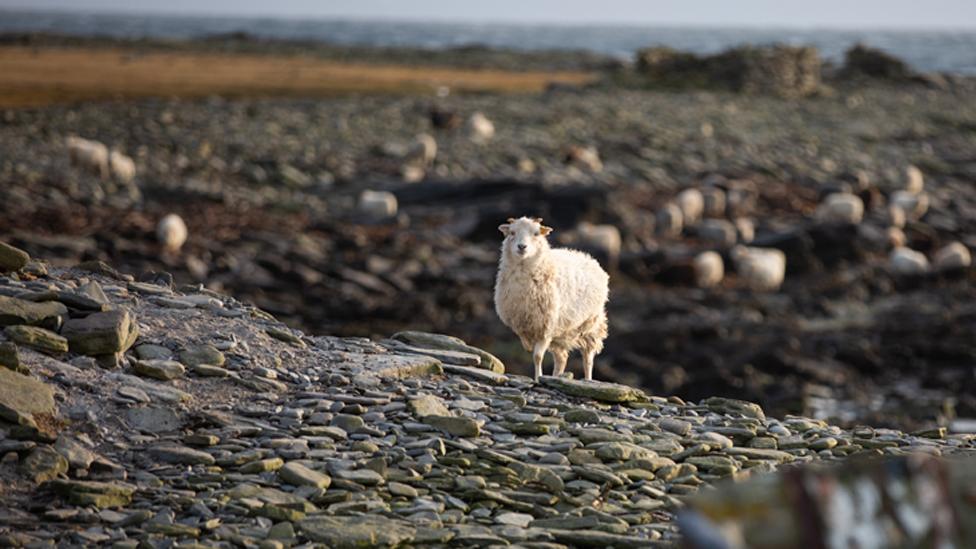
<point x="925" y="50"/>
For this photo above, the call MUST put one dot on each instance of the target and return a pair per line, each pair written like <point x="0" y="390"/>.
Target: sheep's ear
<point x="537" y="220"/>
<point x="510" y="220"/>
<point x="504" y="229"/>
<point x="544" y="231"/>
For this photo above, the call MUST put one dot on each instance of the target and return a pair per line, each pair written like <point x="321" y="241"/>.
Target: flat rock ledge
<point x="212" y="424"/>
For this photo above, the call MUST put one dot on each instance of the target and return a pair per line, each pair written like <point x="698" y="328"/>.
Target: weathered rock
<point x="449" y="343"/>
<point x="101" y="333"/>
<point x="10" y="358"/>
<point x="11" y="258"/>
<point x="428" y="405"/>
<point x="168" y="453"/>
<point x="97" y="494"/>
<point x="21" y="395"/>
<point x="202" y="354"/>
<point x="37" y="338"/>
<point x="735" y="407"/>
<point x="154" y="419"/>
<point x="43" y="464"/>
<point x="47" y="314"/>
<point x="164" y="370"/>
<point x="362" y="531"/>
<point x="597" y="390"/>
<point x="299" y="475"/>
<point x="457" y="426"/>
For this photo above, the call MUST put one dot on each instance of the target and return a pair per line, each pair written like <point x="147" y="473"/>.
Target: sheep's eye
<point x="539" y="233"/>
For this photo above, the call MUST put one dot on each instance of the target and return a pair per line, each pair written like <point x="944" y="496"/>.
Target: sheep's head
<point x="524" y="237"/>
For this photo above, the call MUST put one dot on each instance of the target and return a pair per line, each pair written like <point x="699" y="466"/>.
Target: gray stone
<point x="449" y="343"/>
<point x="457" y="426"/>
<point x="11" y="258"/>
<point x="154" y="419"/>
<point x="148" y="351"/>
<point x="734" y="407"/>
<point x="47" y="314"/>
<point x="428" y="405"/>
<point x="164" y="370"/>
<point x="101" y="333"/>
<point x="21" y="395"/>
<point x="170" y="453"/>
<point x="296" y="474"/>
<point x="37" y="338"/>
<point x="597" y="390"/>
<point x="10" y="358"/>
<point x="342" y="532"/>
<point x="202" y="354"/>
<point x="43" y="464"/>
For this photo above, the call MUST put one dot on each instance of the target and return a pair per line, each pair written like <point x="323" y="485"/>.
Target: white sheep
<point x="171" y="233"/>
<point x="422" y="151"/>
<point x="746" y="229"/>
<point x="480" y="129"/>
<point x="90" y="155"/>
<point x="914" y="205"/>
<point x="914" y="180"/>
<point x="378" y="205"/>
<point x="952" y="257"/>
<point x="122" y="167"/>
<point x="840" y="208"/>
<point x="554" y="299"/>
<point x="709" y="269"/>
<point x="763" y="269"/>
<point x="692" y="204"/>
<point x="670" y="220"/>
<point x="906" y="261"/>
<point x="604" y="239"/>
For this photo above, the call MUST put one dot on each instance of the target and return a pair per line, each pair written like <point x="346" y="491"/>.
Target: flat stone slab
<point x="153" y="419"/>
<point x="163" y="370"/>
<point x="401" y="366"/>
<point x="597" y="390"/>
<point x="20" y="311"/>
<point x="37" y="338"/>
<point x="181" y="455"/>
<point x="450" y="343"/>
<point x="485" y="376"/>
<point x="445" y="356"/>
<point x="354" y="532"/>
<point x="296" y="474"/>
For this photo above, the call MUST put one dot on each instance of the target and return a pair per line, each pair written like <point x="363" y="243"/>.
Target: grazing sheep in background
<point x="122" y="167"/>
<point x="746" y="229"/>
<point x="763" y="269"/>
<point x="914" y="205"/>
<point x="914" y="180"/>
<point x="840" y="208"/>
<point x="601" y="240"/>
<point x="90" y="155"/>
<point x="709" y="269"/>
<point x="378" y="205"/>
<point x="692" y="204"/>
<point x="587" y="157"/>
<point x="422" y="151"/>
<point x="554" y="299"/>
<point x="905" y="261"/>
<point x="952" y="257"/>
<point x="171" y="233"/>
<point x="480" y="129"/>
<point x="670" y="220"/>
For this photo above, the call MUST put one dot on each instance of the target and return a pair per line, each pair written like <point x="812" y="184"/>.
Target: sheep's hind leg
<point x="538" y="354"/>
<point x="588" y="356"/>
<point x="559" y="358"/>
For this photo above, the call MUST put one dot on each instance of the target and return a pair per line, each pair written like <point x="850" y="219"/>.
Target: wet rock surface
<point x="346" y="442"/>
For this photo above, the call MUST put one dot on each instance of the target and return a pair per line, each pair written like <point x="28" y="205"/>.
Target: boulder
<point x="11" y="258"/>
<point x="450" y="343"/>
<point x="101" y="333"/>
<point x="861" y="60"/>
<point x="21" y="395"/>
<point x="597" y="390"/>
<point x="342" y="532"/>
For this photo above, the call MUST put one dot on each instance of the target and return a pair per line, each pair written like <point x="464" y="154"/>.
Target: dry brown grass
<point x="39" y="76"/>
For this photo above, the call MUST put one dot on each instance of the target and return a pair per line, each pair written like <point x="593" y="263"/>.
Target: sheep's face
<point x="524" y="237"/>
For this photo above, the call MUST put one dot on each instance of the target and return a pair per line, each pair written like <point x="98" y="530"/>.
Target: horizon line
<point x="487" y="22"/>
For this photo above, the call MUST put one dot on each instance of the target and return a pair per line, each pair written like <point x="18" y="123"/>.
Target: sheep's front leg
<point x="559" y="358"/>
<point x="588" y="356"/>
<point x="538" y="354"/>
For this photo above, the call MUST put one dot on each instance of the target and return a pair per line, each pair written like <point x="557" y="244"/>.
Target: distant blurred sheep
<point x="89" y="155"/>
<point x="762" y="269"/>
<point x="171" y="232"/>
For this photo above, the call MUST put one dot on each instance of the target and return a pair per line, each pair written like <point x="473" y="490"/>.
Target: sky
<point x="857" y="14"/>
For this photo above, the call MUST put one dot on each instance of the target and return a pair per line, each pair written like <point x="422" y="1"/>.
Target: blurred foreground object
<point x="171" y="233"/>
<point x="911" y="501"/>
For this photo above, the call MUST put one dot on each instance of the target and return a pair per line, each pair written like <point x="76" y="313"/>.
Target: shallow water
<point x="949" y="51"/>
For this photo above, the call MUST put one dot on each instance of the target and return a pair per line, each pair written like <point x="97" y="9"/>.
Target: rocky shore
<point x="134" y="413"/>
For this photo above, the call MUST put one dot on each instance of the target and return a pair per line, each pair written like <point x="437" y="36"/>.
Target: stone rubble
<point x="347" y="442"/>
